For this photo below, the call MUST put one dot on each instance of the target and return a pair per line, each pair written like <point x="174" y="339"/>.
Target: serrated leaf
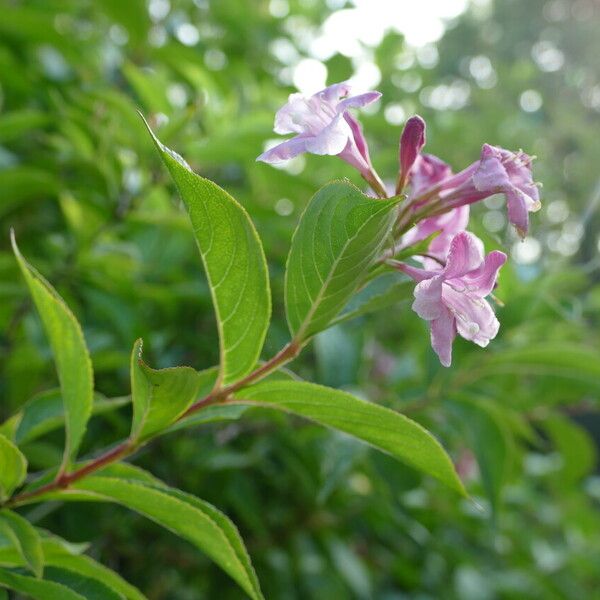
<point x="185" y="515"/>
<point x="234" y="263"/>
<point x="38" y="589"/>
<point x="338" y="237"/>
<point x="376" y="425"/>
<point x="383" y="292"/>
<point x="13" y="468"/>
<point x="25" y="539"/>
<point x="159" y="397"/>
<point x="71" y="355"/>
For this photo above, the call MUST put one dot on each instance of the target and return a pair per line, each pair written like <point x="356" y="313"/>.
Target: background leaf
<point x="37" y="589"/>
<point x="336" y="241"/>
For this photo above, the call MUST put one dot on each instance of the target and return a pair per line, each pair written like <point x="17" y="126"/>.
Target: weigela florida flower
<point x="412" y="141"/>
<point x="323" y="125"/>
<point x="452" y="299"/>
<point x="498" y="171"/>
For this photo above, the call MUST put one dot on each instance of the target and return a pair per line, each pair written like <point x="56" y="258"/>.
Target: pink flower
<point x="427" y="171"/>
<point x="498" y="171"/>
<point x="323" y="125"/>
<point x="453" y="300"/>
<point x="411" y="144"/>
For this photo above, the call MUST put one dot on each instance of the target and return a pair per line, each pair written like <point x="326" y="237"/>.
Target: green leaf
<point x="25" y="539"/>
<point x="13" y="468"/>
<point x="575" y="445"/>
<point x="383" y="292"/>
<point x="235" y="266"/>
<point x="89" y="587"/>
<point x="38" y="589"/>
<point x="159" y="397"/>
<point x="335" y="243"/>
<point x="485" y="432"/>
<point x="45" y="412"/>
<point x="71" y="355"/>
<point x="376" y="425"/>
<point x="185" y="515"/>
<point x="57" y="555"/>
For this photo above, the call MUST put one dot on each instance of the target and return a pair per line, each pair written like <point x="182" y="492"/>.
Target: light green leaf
<point x="381" y="293"/>
<point x="25" y="539"/>
<point x="575" y="445"/>
<point x="38" y="589"/>
<point x="159" y="397"/>
<point x="235" y="266"/>
<point x="71" y="355"/>
<point x="335" y="244"/>
<point x="380" y="427"/>
<point x="185" y="515"/>
<point x="13" y="468"/>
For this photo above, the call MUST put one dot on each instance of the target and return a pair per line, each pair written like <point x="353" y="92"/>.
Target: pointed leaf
<point x="90" y="588"/>
<point x="376" y="425"/>
<point x="38" y="589"/>
<point x="183" y="514"/>
<point x="234" y="262"/>
<point x="71" y="356"/>
<point x="25" y="539"/>
<point x="159" y="397"/>
<point x="335" y="244"/>
<point x="13" y="468"/>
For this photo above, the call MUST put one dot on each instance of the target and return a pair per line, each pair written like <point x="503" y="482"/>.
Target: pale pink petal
<point x="358" y="101"/>
<point x="332" y="139"/>
<point x="415" y="272"/>
<point x="491" y="176"/>
<point x="482" y="280"/>
<point x="428" y="299"/>
<point x="334" y="93"/>
<point x="475" y="319"/>
<point x="443" y="332"/>
<point x="291" y="116"/>
<point x="465" y="254"/>
<point x="285" y="150"/>
<point x="518" y="214"/>
<point x="427" y="171"/>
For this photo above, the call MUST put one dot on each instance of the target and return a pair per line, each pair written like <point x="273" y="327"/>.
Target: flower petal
<point x="358" y="101"/>
<point x="518" y="214"/>
<point x="334" y="93"/>
<point x="332" y="139"/>
<point x="465" y="254"/>
<point x="291" y="116"/>
<point x="475" y="319"/>
<point x="482" y="281"/>
<point x="285" y="150"/>
<point x="428" y="299"/>
<point x="443" y="332"/>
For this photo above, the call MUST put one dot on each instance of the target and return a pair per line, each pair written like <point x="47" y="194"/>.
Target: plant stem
<point x="129" y="446"/>
<point x="377" y="185"/>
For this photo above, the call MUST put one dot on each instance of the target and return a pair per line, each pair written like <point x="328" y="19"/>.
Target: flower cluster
<point x="454" y="277"/>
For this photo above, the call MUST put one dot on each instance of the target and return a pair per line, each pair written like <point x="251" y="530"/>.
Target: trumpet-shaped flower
<point x="323" y="125"/>
<point x="453" y="300"/>
<point x="498" y="171"/>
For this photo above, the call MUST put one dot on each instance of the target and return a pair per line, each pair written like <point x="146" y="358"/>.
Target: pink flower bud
<point x="411" y="143"/>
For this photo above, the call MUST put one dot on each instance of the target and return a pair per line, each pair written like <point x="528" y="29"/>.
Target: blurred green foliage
<point x="322" y="516"/>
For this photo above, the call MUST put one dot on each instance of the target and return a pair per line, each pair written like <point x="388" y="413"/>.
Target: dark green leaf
<point x="38" y="589"/>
